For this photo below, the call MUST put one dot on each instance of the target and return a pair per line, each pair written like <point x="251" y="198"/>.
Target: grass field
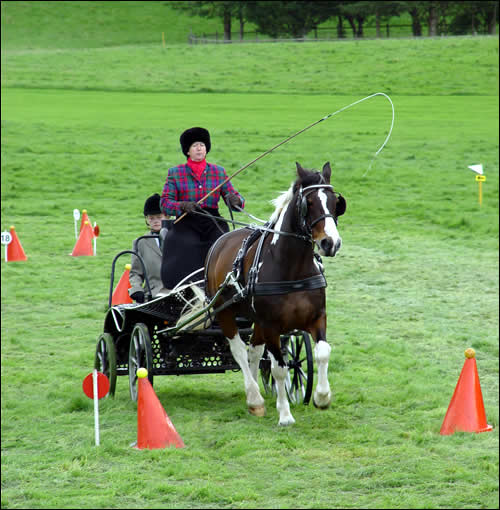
<point x="95" y="126"/>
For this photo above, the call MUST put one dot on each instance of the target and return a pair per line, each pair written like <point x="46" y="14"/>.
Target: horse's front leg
<point x="322" y="394"/>
<point x="255" y="401"/>
<point x="279" y="370"/>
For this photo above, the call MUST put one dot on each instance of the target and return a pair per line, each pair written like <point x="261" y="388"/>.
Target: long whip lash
<point x="297" y="134"/>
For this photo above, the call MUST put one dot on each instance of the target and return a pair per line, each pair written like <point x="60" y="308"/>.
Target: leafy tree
<point x="383" y="11"/>
<point x="431" y="13"/>
<point x="356" y="14"/>
<point x="224" y="9"/>
<point x="479" y="16"/>
<point x="288" y="18"/>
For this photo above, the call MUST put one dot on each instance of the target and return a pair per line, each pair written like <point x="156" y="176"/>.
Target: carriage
<point x="177" y="334"/>
<point x="254" y="306"/>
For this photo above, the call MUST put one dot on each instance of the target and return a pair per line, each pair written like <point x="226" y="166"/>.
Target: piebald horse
<point x="275" y="280"/>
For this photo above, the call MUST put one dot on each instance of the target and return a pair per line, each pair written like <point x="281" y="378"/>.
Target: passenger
<point x="189" y="239"/>
<point x="150" y="252"/>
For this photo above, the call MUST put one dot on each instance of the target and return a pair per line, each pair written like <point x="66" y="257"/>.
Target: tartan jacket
<point x="181" y="185"/>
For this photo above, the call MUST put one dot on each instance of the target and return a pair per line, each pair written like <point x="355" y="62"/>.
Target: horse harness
<point x="255" y="288"/>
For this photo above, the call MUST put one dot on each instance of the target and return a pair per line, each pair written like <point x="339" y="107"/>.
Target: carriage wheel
<point x="297" y="353"/>
<point x="105" y="360"/>
<point x="299" y="382"/>
<point x="140" y="355"/>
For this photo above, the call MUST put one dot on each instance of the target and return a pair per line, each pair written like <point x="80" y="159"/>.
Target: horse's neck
<point x="292" y="256"/>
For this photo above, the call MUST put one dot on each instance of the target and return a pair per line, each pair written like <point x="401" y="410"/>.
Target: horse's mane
<point x="281" y="203"/>
<point x="308" y="178"/>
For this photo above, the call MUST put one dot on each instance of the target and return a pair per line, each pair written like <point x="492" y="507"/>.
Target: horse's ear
<point x="327" y="171"/>
<point x="341" y="206"/>
<point x="300" y="170"/>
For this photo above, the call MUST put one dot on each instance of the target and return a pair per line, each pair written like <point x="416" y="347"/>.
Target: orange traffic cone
<point x="466" y="410"/>
<point x="120" y="294"/>
<point x="154" y="428"/>
<point x="15" y="251"/>
<point x="83" y="245"/>
<point x="85" y="217"/>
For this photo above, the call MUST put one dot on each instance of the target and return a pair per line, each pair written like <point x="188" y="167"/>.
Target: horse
<point x="274" y="278"/>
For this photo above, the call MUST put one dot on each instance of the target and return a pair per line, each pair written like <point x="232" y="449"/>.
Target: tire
<point x="105" y="360"/>
<point x="140" y="356"/>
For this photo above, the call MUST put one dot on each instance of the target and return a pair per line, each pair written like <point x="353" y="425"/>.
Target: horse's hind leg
<point x="255" y="402"/>
<point x="322" y="394"/>
<point x="255" y="353"/>
<point x="279" y="369"/>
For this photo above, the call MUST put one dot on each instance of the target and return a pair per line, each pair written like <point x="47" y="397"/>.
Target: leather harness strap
<point x="255" y="288"/>
<point x="317" y="281"/>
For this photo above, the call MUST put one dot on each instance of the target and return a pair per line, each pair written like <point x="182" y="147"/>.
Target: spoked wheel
<point x="105" y="360"/>
<point x="297" y="353"/>
<point x="299" y="382"/>
<point x="140" y="355"/>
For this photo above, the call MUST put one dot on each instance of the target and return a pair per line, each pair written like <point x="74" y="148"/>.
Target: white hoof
<point x="322" y="400"/>
<point x="288" y="420"/>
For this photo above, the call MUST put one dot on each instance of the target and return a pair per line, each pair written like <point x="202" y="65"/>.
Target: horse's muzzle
<point x="328" y="247"/>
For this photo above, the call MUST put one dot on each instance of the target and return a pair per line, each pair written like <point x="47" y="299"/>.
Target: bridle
<point x="303" y="208"/>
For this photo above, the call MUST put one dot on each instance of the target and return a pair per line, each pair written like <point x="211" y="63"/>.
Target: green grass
<point x="76" y="24"/>
<point x="416" y="281"/>
<point x="408" y="67"/>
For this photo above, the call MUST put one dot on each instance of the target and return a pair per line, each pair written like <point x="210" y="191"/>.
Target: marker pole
<point x="96" y="407"/>
<point x="480" y="179"/>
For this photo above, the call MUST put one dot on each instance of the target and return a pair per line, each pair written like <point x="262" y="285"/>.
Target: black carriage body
<point x="173" y="353"/>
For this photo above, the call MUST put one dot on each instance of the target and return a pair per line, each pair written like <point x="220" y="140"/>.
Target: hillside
<point x="84" y="24"/>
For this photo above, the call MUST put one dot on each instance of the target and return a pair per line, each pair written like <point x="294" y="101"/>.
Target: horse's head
<point x="318" y="207"/>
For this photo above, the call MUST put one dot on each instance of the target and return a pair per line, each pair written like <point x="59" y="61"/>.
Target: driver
<point x="189" y="239"/>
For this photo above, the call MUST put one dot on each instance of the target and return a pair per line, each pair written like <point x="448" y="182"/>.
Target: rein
<point x="265" y="228"/>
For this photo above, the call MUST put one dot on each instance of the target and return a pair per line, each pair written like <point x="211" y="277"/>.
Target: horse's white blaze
<point x="239" y="352"/>
<point x="322" y="394"/>
<point x="330" y="227"/>
<point x="282" y="405"/>
<point x="254" y="355"/>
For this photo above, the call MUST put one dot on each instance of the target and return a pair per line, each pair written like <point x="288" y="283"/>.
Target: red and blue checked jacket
<point x="181" y="186"/>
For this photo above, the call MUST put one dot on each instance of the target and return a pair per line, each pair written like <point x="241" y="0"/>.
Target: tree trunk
<point x="492" y="20"/>
<point x="377" y="25"/>
<point x="242" y="23"/>
<point x="360" y="21"/>
<point x="227" y="25"/>
<point x="433" y="21"/>
<point x="416" y="26"/>
<point x="340" y="28"/>
<point x="350" y="19"/>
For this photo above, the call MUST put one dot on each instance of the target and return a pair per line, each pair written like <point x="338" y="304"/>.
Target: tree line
<point x="298" y="18"/>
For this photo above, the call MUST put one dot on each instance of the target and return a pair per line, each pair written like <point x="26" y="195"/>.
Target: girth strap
<point x="276" y="288"/>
